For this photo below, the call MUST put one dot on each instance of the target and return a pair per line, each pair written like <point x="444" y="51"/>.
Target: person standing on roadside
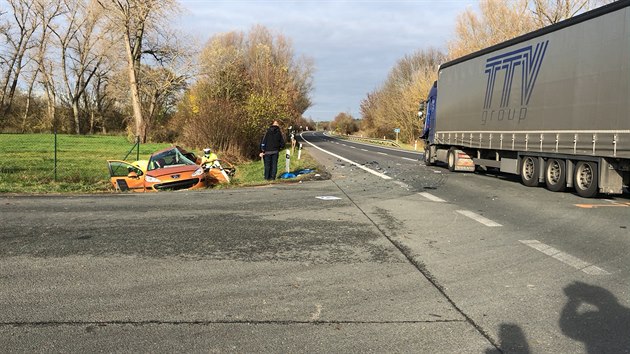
<point x="270" y="146"/>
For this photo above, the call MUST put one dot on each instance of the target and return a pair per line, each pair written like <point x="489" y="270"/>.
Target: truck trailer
<point x="551" y="106"/>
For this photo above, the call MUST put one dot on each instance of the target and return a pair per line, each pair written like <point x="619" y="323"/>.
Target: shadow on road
<point x="593" y="316"/>
<point x="512" y="340"/>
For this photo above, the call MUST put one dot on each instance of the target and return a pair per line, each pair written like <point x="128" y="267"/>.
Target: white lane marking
<point x="381" y="146"/>
<point x="346" y="160"/>
<point x="328" y="197"/>
<point x="565" y="258"/>
<point x="402" y="184"/>
<point x="479" y="218"/>
<point x="383" y="153"/>
<point x="318" y="312"/>
<point x="594" y="270"/>
<point x="432" y="198"/>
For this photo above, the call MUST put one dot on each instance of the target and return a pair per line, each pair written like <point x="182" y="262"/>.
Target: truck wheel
<point x="427" y="156"/>
<point x="530" y="171"/>
<point x="556" y="175"/>
<point x="451" y="160"/>
<point x="586" y="179"/>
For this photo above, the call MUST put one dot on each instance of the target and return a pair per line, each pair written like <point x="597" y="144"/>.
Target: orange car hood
<point x="171" y="170"/>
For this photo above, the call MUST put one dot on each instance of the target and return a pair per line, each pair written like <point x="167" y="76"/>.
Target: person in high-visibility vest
<point x="210" y="163"/>
<point x="209" y="158"/>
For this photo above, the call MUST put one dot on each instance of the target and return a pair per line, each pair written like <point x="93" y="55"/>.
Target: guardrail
<point x="370" y="140"/>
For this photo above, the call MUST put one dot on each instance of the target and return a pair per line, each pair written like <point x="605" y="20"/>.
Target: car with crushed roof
<point x="167" y="169"/>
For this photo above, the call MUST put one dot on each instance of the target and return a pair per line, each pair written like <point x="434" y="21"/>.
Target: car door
<point x="125" y="176"/>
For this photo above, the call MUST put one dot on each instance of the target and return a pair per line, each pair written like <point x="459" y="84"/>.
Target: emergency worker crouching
<point x="209" y="158"/>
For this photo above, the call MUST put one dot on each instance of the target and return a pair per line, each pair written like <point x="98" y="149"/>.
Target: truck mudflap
<point x="460" y="161"/>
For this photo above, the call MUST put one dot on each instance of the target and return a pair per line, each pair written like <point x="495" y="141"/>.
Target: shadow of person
<point x="593" y="316"/>
<point x="512" y="340"/>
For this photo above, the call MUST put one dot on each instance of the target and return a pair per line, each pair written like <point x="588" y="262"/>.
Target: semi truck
<point x="552" y="106"/>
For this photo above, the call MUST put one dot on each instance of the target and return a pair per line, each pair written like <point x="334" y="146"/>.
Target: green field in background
<point x="27" y="163"/>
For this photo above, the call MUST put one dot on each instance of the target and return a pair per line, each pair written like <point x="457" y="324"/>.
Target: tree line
<point x="394" y="104"/>
<point x="86" y="66"/>
<point x="101" y="66"/>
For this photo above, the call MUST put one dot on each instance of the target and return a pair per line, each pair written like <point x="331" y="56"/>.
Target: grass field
<point x="27" y="163"/>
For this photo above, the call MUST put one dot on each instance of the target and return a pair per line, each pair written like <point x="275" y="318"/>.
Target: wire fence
<point x="39" y="159"/>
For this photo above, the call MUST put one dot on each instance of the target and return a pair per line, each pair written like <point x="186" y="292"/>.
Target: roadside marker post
<point x="299" y="151"/>
<point x="288" y="161"/>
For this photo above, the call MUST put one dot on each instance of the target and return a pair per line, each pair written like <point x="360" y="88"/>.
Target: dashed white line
<point x="402" y="184"/>
<point x="565" y="258"/>
<point x="479" y="218"/>
<point x="431" y="197"/>
<point x="381" y="153"/>
<point x="408" y="158"/>
<point x="363" y="150"/>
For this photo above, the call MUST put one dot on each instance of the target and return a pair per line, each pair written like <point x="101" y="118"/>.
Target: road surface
<point x="386" y="256"/>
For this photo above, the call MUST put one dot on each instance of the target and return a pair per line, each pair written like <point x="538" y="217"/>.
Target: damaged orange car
<point x="168" y="169"/>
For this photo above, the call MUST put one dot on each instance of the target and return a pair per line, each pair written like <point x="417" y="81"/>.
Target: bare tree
<point x="164" y="82"/>
<point x="99" y="100"/>
<point x="547" y="12"/>
<point x="17" y="39"/>
<point x="133" y="20"/>
<point x="82" y="51"/>
<point x="395" y="104"/>
<point x="498" y="21"/>
<point x="46" y="12"/>
<point x="501" y="20"/>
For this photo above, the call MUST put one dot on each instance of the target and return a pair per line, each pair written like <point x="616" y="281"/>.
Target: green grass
<point x="252" y="173"/>
<point x="27" y="163"/>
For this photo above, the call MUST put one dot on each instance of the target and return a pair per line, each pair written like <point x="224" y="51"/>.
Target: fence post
<point x="55" y="159"/>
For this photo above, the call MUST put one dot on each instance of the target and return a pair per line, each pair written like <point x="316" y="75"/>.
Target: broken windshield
<point x="172" y="157"/>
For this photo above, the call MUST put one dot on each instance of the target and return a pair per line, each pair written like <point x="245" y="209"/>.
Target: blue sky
<point x="353" y="43"/>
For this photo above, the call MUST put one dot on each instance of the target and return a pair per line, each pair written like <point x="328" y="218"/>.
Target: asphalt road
<point x="387" y="256"/>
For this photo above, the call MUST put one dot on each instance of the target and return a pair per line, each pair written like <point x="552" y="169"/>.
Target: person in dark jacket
<point x="270" y="146"/>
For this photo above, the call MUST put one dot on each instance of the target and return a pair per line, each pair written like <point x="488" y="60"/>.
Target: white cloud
<point x="354" y="43"/>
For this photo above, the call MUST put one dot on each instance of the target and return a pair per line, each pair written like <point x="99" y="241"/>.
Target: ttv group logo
<point x="527" y="61"/>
